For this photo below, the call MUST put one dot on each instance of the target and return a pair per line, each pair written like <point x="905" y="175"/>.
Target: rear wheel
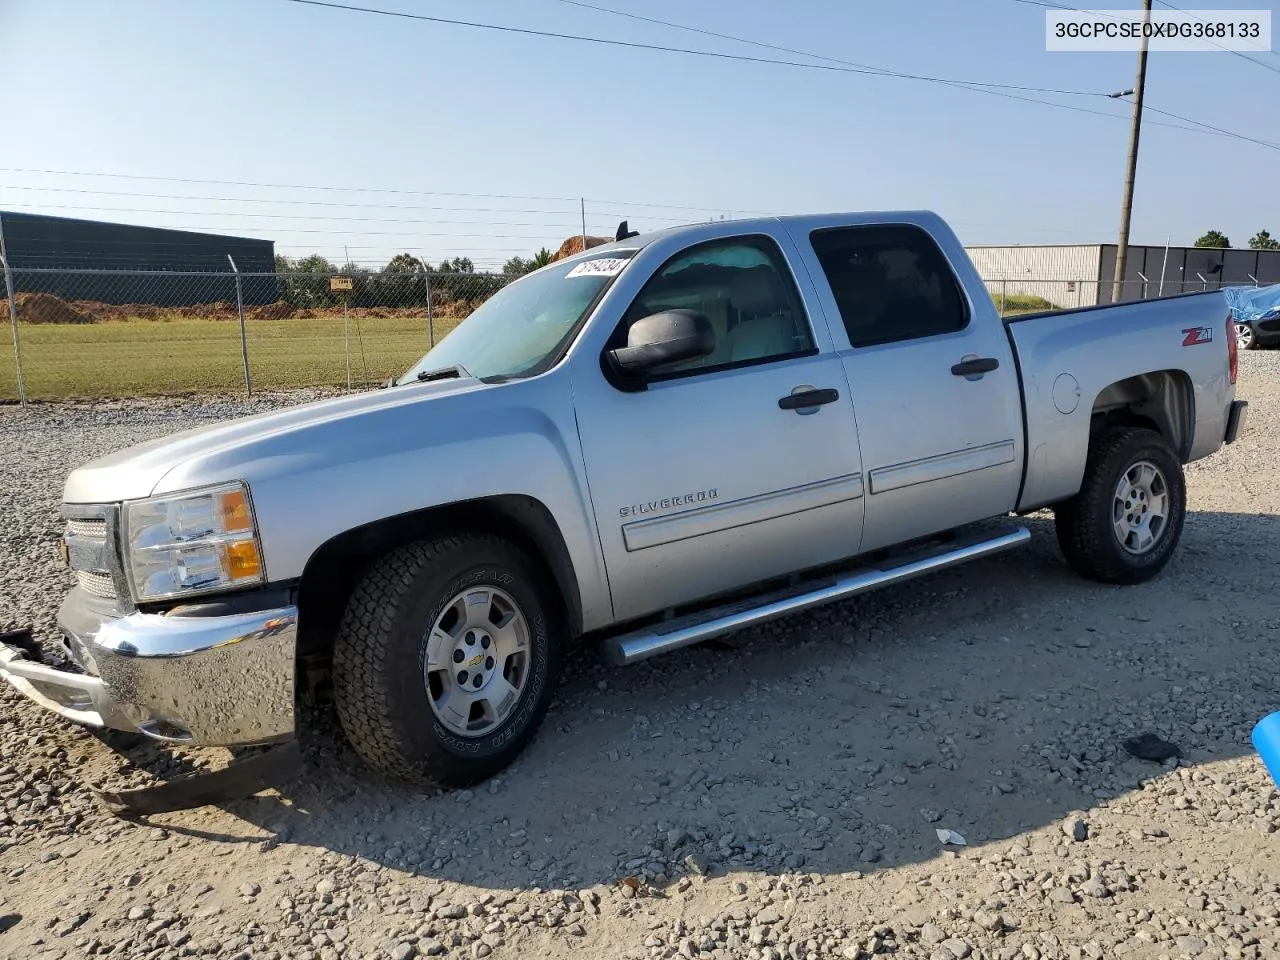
<point x="1124" y="524"/>
<point x="446" y="659"/>
<point x="1246" y="337"/>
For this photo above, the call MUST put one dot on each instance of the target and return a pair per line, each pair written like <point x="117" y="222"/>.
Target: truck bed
<point x="1073" y="361"/>
<point x="1041" y="314"/>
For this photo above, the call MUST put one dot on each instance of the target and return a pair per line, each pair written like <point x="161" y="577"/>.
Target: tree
<point x="517" y="266"/>
<point x="456" y="265"/>
<point x="1262" y="240"/>
<point x="1214" y="238"/>
<point x="404" y="263"/>
<point x="404" y="281"/>
<point x="314" y="264"/>
<point x="305" y="282"/>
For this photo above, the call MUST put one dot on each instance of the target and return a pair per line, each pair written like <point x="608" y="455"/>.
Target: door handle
<point x="808" y="398"/>
<point x="979" y="366"/>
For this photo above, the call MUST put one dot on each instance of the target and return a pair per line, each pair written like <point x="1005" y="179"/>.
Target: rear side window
<point x="890" y="283"/>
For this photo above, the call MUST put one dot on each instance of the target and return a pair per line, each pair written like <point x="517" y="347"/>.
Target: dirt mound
<point x="101" y="311"/>
<point x="574" y="245"/>
<point x="218" y="310"/>
<point x="46" y="308"/>
<point x="271" y="311"/>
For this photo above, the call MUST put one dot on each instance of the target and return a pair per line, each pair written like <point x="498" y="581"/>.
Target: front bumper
<point x="209" y="681"/>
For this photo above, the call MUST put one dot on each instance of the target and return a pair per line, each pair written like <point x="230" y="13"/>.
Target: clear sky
<point x="270" y="91"/>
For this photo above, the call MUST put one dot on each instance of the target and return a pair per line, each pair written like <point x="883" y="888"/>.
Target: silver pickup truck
<point x="655" y="442"/>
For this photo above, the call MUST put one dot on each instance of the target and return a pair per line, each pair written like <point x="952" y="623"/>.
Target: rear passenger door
<point x="934" y="388"/>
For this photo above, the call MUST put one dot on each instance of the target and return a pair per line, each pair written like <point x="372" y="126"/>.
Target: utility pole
<point x="1126" y="205"/>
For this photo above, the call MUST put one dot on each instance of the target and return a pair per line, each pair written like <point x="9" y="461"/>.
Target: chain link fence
<point x="100" y="333"/>
<point x="113" y="333"/>
<point x="1016" y="295"/>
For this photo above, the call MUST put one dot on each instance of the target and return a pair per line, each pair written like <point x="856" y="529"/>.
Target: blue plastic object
<point x="1266" y="740"/>
<point x="1253" y="304"/>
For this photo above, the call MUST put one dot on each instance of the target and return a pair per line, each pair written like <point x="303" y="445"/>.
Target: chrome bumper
<point x="212" y="681"/>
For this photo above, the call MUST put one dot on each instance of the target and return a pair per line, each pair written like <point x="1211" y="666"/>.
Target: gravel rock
<point x="1076" y="830"/>
<point x="809" y="765"/>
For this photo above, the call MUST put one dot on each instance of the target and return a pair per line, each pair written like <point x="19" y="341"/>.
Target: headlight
<point x="190" y="543"/>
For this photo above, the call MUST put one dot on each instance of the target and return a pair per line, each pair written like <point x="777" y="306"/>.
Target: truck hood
<point x="136" y="472"/>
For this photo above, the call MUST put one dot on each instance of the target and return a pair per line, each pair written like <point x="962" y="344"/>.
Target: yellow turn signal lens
<point x="235" y="512"/>
<point x="243" y="561"/>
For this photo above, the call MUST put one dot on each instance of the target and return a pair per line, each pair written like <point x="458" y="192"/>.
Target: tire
<point x="395" y="715"/>
<point x="1087" y="524"/>
<point x="1246" y="336"/>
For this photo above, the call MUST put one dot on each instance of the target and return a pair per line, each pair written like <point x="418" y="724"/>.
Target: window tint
<point x="890" y="283"/>
<point x="742" y="286"/>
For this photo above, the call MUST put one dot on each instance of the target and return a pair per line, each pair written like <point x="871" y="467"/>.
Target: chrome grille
<point x="93" y="529"/>
<point x="98" y="584"/>
<point x="88" y="542"/>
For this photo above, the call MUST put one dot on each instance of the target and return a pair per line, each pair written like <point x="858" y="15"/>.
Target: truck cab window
<point x="742" y="286"/>
<point x="890" y="283"/>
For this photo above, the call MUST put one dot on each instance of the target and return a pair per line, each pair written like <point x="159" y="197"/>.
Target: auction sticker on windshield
<point x="604" y="267"/>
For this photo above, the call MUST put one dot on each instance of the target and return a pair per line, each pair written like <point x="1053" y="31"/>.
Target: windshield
<point x="518" y="331"/>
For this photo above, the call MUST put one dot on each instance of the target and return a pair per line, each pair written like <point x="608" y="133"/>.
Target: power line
<point x="991" y="89"/>
<point x="805" y="53"/>
<point x="291" y="216"/>
<point x="835" y="66"/>
<point x="1208" y="127"/>
<point x="1050" y="5"/>
<point x="1239" y="53"/>
<point x="306" y="186"/>
<point x="853" y="65"/>
<point x="358" y="206"/>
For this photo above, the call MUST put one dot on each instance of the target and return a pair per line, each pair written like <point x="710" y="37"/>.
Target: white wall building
<point x="1080" y="275"/>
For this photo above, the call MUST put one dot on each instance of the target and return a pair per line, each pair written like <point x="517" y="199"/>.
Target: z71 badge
<point x="1194" y="335"/>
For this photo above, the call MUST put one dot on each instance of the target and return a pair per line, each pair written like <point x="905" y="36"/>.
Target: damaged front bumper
<point x="199" y="680"/>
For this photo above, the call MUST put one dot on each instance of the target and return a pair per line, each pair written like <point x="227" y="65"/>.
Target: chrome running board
<point x="629" y="648"/>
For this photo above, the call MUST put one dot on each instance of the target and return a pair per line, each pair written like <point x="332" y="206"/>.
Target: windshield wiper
<point x="444" y="373"/>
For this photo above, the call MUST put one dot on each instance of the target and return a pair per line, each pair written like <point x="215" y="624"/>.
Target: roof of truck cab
<point x="748" y="224"/>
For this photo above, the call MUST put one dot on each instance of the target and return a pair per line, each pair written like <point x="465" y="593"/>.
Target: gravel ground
<point x="777" y="797"/>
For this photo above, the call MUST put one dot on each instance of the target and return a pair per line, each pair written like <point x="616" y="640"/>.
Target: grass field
<point x="140" y="357"/>
<point x="1016" y="303"/>
<point x="180" y="355"/>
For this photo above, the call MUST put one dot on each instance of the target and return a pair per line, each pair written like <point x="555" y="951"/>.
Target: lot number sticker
<point x="605" y="267"/>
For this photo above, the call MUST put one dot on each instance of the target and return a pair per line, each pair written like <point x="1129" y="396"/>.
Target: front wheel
<point x="1246" y="337"/>
<point x="1123" y="525"/>
<point x="446" y="659"/>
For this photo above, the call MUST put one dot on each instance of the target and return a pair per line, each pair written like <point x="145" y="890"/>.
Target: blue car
<point x="1256" y="314"/>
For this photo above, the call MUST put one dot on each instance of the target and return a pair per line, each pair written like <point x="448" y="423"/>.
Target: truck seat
<point x="766" y="320"/>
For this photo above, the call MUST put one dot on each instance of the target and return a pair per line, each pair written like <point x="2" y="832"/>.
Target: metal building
<point x="87" y="260"/>
<point x="1081" y="275"/>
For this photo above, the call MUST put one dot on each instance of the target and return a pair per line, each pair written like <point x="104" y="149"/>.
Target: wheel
<point x="1126" y="520"/>
<point x="446" y="659"/>
<point x="1246" y="338"/>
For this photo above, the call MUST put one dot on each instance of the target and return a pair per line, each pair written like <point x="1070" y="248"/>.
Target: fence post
<point x="431" y="322"/>
<point x="244" y="341"/>
<point x="1004" y="295"/>
<point x="13" y="317"/>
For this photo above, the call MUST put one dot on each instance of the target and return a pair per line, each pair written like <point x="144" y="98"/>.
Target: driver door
<point x="713" y="478"/>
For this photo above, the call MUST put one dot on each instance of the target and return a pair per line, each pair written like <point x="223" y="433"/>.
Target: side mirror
<point x="662" y="338"/>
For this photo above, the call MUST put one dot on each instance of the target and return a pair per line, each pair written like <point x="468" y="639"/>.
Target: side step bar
<point x="629" y="648"/>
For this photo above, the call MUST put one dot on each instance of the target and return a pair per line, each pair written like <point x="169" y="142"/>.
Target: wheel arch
<point x="337" y="565"/>
<point x="1161" y="400"/>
